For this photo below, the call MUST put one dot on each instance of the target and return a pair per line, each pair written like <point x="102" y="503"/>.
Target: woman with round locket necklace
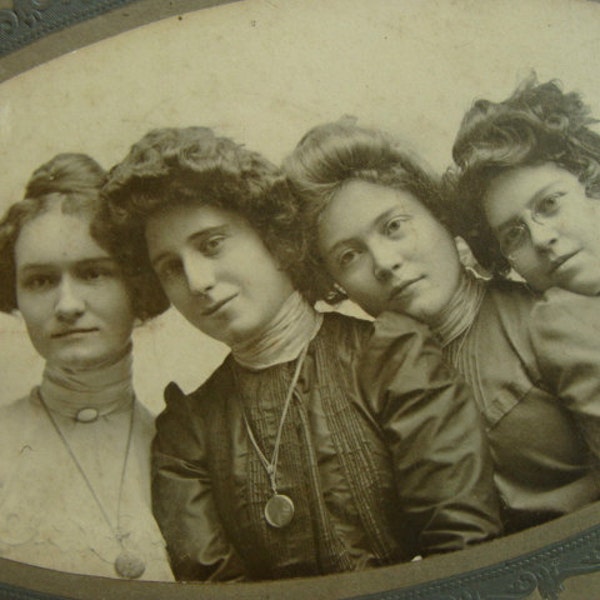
<point x="380" y="234"/>
<point x="75" y="453"/>
<point x="305" y="452"/>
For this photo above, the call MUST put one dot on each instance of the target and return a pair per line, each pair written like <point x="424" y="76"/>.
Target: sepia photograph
<point x="297" y="299"/>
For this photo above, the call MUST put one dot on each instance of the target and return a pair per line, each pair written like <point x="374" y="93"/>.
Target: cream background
<point x="263" y="72"/>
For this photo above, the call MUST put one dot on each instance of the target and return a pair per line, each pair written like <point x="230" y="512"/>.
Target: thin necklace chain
<point x="271" y="466"/>
<point x="116" y="531"/>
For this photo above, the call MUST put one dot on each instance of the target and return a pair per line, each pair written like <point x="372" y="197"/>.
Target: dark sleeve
<point x="433" y="429"/>
<point x="182" y="500"/>
<point x="565" y="331"/>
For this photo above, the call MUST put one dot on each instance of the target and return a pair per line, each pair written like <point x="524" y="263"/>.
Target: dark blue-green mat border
<point x="30" y="20"/>
<point x="544" y="570"/>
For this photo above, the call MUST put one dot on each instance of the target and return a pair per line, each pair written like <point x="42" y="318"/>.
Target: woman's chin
<point x="81" y="360"/>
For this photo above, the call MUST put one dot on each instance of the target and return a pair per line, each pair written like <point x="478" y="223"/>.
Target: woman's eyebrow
<point x="93" y="260"/>
<point x="201" y="235"/>
<point x="339" y="244"/>
<point x="33" y="267"/>
<point x="387" y="214"/>
<point x="97" y="260"/>
<point x="541" y="192"/>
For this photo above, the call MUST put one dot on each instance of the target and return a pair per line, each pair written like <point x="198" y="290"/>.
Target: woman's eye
<point x="548" y="205"/>
<point x="39" y="282"/>
<point x="212" y="245"/>
<point x="394" y="225"/>
<point x="513" y="238"/>
<point x="97" y="271"/>
<point x="93" y="274"/>
<point x="346" y="258"/>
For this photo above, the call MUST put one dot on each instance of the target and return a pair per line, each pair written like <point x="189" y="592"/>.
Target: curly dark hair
<point x="73" y="180"/>
<point x="193" y="166"/>
<point x="539" y="123"/>
<point x="332" y="154"/>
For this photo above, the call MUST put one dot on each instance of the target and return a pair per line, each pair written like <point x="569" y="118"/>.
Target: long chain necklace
<point x="127" y="565"/>
<point x="279" y="509"/>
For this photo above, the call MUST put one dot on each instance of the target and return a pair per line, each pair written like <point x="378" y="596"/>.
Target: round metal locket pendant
<point x="279" y="510"/>
<point x="129" y="566"/>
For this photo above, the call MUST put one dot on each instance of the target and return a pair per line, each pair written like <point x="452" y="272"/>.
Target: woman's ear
<point x="339" y="289"/>
<point x="336" y="294"/>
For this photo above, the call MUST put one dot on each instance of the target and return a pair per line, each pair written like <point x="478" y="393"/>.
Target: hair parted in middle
<point x="73" y="182"/>
<point x="538" y="123"/>
<point x="333" y="154"/>
<point x="194" y="167"/>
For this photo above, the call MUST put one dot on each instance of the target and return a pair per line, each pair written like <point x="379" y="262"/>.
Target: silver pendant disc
<point x="129" y="566"/>
<point x="279" y="510"/>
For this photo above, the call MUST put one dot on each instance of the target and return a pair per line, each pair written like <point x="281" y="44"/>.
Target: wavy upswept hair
<point x="333" y="154"/>
<point x="194" y="167"/>
<point x="73" y="181"/>
<point x="539" y="123"/>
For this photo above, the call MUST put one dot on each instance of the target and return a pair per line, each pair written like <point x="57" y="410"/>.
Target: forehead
<point x="173" y="226"/>
<point x="56" y="237"/>
<point x="358" y="205"/>
<point x="515" y="188"/>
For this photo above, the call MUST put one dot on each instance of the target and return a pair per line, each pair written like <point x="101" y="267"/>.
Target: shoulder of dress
<point x="510" y="292"/>
<point x="173" y="393"/>
<point x="219" y="380"/>
<point x="143" y="414"/>
<point x="390" y="325"/>
<point x="21" y="406"/>
<point x="337" y="325"/>
<point x="559" y="310"/>
<point x="559" y="299"/>
<point x="18" y="419"/>
<point x="503" y="326"/>
<point x="509" y="302"/>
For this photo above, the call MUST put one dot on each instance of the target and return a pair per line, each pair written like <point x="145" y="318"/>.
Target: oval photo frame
<point x="86" y="76"/>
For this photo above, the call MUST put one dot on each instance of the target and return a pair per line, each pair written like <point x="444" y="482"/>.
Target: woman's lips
<point x="561" y="260"/>
<point x="74" y="331"/>
<point x="213" y="308"/>
<point x="399" y="290"/>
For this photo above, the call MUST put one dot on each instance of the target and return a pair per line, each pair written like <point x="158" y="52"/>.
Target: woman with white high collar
<point x="74" y="454"/>
<point x="305" y="453"/>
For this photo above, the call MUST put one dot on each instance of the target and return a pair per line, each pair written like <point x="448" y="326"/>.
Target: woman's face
<point x="388" y="251"/>
<point x="547" y="227"/>
<point x="216" y="271"/>
<point x="70" y="292"/>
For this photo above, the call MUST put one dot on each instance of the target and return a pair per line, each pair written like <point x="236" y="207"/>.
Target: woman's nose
<point x="199" y="273"/>
<point x="70" y="304"/>
<point x="543" y="236"/>
<point x="386" y="260"/>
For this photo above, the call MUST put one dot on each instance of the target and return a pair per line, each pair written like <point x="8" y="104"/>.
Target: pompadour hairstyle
<point x="331" y="155"/>
<point x="539" y="123"/>
<point x="194" y="167"/>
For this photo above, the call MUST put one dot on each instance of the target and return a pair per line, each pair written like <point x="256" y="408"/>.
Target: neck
<point x="461" y="310"/>
<point x="283" y="338"/>
<point x="107" y="388"/>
